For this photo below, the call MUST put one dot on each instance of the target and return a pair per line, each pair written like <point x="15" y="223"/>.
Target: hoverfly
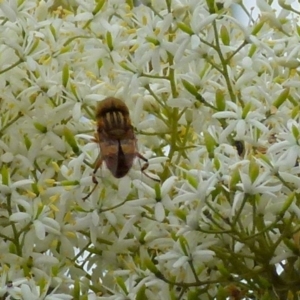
<point x="117" y="141"/>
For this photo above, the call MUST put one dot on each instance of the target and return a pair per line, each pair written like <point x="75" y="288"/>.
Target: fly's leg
<point x="98" y="164"/>
<point x="145" y="166"/>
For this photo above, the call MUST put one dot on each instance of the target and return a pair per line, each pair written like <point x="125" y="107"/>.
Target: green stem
<point x="12" y="66"/>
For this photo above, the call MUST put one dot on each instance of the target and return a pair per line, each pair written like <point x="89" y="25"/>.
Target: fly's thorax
<point x="105" y="134"/>
<point x="113" y="119"/>
<point x="116" y="125"/>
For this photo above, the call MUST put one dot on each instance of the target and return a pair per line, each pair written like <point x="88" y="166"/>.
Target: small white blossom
<point x="214" y="108"/>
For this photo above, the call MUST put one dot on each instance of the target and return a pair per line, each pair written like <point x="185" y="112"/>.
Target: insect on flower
<point x="117" y="141"/>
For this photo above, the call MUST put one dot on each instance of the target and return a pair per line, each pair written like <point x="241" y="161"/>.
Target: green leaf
<point x="141" y="295"/>
<point x="290" y="244"/>
<point x="151" y="266"/>
<point x="253" y="170"/>
<point x="43" y="283"/>
<point x="130" y="3"/>
<point x="34" y="45"/>
<point x="55" y="270"/>
<point x="12" y="248"/>
<point x="109" y="41"/>
<point x="5" y="174"/>
<point x="185" y="28"/>
<point x="27" y="141"/>
<point x="295" y="111"/>
<point x="100" y="63"/>
<point x="222" y="294"/>
<point x="35" y="189"/>
<point x="264" y="282"/>
<point x="235" y="178"/>
<point x="64" y="49"/>
<point x="220" y="100"/>
<point x="184" y="245"/>
<point x="27" y="265"/>
<point x="180" y="214"/>
<point x="124" y="65"/>
<point x="217" y="163"/>
<point x="152" y="40"/>
<point x="157" y="192"/>
<point x="287" y="203"/>
<point x="65" y="75"/>
<point x="281" y="98"/>
<point x="252" y="50"/>
<point x="257" y="27"/>
<point x="73" y="90"/>
<point x="190" y="87"/>
<point x="99" y="6"/>
<point x="211" y="6"/>
<point x="265" y="158"/>
<point x="193" y="295"/>
<point x="76" y="290"/>
<point x="53" y="31"/>
<point x="295" y="131"/>
<point x="298" y="29"/>
<point x="192" y="180"/>
<point x="210" y="143"/>
<point x="225" y="37"/>
<point x="222" y="269"/>
<point x="69" y="182"/>
<point x="70" y="139"/>
<point x="40" y="127"/>
<point x="246" y="110"/>
<point x="142" y="237"/>
<point x="121" y="284"/>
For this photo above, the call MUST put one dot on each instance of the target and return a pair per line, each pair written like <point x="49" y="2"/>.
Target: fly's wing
<point x="118" y="155"/>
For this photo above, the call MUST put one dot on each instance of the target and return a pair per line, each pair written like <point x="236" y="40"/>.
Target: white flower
<point x="134" y="236"/>
<point x="239" y="123"/>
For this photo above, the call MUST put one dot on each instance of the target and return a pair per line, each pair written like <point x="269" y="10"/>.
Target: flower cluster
<point x="215" y="106"/>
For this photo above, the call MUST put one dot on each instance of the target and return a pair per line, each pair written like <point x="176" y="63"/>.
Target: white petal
<point x="46" y="260"/>
<point x="21" y="183"/>
<point x="26" y="293"/>
<point x="76" y="113"/>
<point x="67" y="248"/>
<point x="159" y="212"/>
<point x="144" y="187"/>
<point x="83" y="16"/>
<point x="280" y="257"/>
<point x="7" y="157"/>
<point x="180" y="262"/>
<point x="124" y="187"/>
<point x="111" y="218"/>
<point x="205" y="255"/>
<point x="95" y="218"/>
<point x="225" y="115"/>
<point x="167" y="185"/>
<point x="7" y="8"/>
<point x="51" y="223"/>
<point x="20" y="216"/>
<point x="39" y="229"/>
<point x="185" y="198"/>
